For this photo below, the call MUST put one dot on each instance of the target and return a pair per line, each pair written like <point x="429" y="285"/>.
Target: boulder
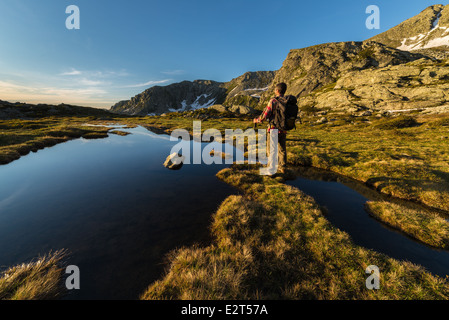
<point x="242" y="109"/>
<point x="219" y="107"/>
<point x="174" y="161"/>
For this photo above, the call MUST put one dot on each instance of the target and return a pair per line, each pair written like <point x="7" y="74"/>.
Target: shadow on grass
<point x="441" y="174"/>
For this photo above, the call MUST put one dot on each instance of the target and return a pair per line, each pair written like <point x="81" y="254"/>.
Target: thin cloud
<point x="147" y="84"/>
<point x="96" y="73"/>
<point x="73" y="72"/>
<point x="109" y="74"/>
<point x="12" y="91"/>
<point x="64" y="92"/>
<point x="89" y="82"/>
<point x="174" y="72"/>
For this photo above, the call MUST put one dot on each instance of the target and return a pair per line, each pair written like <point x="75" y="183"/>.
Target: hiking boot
<point x="287" y="174"/>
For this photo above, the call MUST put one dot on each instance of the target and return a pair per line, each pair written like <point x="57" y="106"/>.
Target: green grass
<point x="119" y="132"/>
<point x="440" y="122"/>
<point x="365" y="54"/>
<point x="428" y="227"/>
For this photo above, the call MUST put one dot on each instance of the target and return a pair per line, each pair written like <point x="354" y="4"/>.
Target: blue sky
<point x="125" y="47"/>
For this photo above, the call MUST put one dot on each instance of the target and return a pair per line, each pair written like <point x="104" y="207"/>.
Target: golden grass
<point x="37" y="280"/>
<point x="423" y="225"/>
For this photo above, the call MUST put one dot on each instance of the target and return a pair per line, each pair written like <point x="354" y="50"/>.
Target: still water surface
<point x="111" y="204"/>
<point x="118" y="211"/>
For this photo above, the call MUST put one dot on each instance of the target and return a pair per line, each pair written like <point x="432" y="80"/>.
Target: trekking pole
<point x="256" y="146"/>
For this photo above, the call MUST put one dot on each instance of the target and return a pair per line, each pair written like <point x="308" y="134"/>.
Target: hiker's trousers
<point x="282" y="149"/>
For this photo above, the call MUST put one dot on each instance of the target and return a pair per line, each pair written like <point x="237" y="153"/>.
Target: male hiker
<point x="277" y="117"/>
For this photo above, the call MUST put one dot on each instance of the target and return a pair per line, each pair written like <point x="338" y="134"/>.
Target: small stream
<point x="344" y="199"/>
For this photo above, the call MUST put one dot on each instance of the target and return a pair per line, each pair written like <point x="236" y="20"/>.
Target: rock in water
<point x="174" y="161"/>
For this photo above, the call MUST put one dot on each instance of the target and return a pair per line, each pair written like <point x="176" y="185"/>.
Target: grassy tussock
<point x="439" y="122"/>
<point x="427" y="227"/>
<point x="397" y="123"/>
<point x="37" y="280"/>
<point x="211" y="273"/>
<point x="274" y="242"/>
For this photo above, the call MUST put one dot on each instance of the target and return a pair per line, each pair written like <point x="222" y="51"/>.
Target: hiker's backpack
<point x="285" y="113"/>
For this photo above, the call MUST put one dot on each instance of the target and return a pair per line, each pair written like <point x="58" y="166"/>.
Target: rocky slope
<point x="248" y="88"/>
<point x="180" y="96"/>
<point x="187" y="95"/>
<point x="316" y="69"/>
<point x="429" y="29"/>
<point x="417" y="85"/>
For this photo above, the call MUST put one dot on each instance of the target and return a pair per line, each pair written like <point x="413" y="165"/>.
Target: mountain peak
<point x="429" y="29"/>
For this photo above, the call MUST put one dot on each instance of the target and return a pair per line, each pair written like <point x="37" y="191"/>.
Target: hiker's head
<point x="280" y="89"/>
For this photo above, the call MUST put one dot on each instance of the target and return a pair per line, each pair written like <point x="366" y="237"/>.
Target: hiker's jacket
<point x="268" y="113"/>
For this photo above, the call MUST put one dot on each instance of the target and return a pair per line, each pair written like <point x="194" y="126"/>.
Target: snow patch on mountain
<point x="437" y="21"/>
<point x="257" y="89"/>
<point x="196" y="104"/>
<point x="427" y="40"/>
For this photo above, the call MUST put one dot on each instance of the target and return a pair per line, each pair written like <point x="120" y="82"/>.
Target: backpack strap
<point x="272" y="109"/>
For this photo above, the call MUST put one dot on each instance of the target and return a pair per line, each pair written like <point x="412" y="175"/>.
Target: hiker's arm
<point x="265" y="114"/>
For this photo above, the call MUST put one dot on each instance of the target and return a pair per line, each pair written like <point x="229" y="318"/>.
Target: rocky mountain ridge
<point x="429" y="29"/>
<point x="363" y="78"/>
<point x="192" y="95"/>
<point x="388" y="72"/>
<point x="178" y="96"/>
<point x="313" y="69"/>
